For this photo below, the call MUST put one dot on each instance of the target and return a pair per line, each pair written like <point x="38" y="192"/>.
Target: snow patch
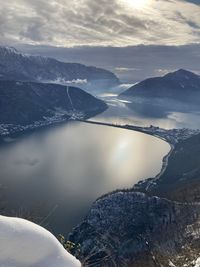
<point x="25" y="244"/>
<point x="197" y="264"/>
<point x="171" y="264"/>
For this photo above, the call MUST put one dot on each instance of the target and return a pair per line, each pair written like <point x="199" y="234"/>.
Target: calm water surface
<point x="121" y="113"/>
<point x="58" y="172"/>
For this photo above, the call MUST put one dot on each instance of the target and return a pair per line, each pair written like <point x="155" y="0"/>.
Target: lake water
<point x="120" y="112"/>
<point x="58" y="172"/>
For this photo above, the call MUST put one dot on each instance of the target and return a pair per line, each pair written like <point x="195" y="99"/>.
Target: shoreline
<point x="165" y="163"/>
<point x="126" y="127"/>
<point x="172" y="137"/>
<point x="168" y="136"/>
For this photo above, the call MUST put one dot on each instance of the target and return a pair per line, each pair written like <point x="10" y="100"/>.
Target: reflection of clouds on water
<point x="71" y="165"/>
<point x="146" y="113"/>
<point x="124" y="101"/>
<point x="115" y="91"/>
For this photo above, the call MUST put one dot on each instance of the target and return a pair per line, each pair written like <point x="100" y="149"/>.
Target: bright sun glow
<point x="139" y="4"/>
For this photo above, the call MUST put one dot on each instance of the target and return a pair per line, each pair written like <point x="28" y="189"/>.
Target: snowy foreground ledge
<point x="25" y="244"/>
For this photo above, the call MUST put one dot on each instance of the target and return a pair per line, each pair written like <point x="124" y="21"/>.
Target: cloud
<point x="71" y="82"/>
<point x="99" y="22"/>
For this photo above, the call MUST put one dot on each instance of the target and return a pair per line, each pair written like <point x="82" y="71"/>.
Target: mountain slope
<point x="181" y="179"/>
<point x="26" y="103"/>
<point x="132" y="229"/>
<point x="180" y="85"/>
<point x="17" y="66"/>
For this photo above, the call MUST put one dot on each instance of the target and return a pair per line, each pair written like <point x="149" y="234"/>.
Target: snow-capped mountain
<point x="18" y="66"/>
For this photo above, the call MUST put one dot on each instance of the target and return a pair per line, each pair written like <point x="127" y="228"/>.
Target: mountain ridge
<point x="169" y="85"/>
<point x="18" y="66"/>
<point x="25" y="105"/>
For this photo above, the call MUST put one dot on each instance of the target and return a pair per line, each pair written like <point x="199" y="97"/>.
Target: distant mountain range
<point x="17" y="66"/>
<point x="27" y="105"/>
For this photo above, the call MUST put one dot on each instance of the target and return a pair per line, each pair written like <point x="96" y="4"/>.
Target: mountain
<point x="158" y="97"/>
<point x="17" y="66"/>
<point x="181" y="85"/>
<point x="30" y="104"/>
<point x="132" y="229"/>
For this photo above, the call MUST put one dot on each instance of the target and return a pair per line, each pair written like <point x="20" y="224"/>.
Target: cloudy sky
<point x="100" y="22"/>
<point x="63" y="28"/>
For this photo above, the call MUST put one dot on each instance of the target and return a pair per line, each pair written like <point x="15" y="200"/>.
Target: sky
<point x="100" y="22"/>
<point x="87" y="27"/>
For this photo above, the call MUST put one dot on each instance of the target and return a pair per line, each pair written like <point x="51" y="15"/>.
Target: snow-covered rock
<point x="197" y="264"/>
<point x="25" y="244"/>
<point x="171" y="264"/>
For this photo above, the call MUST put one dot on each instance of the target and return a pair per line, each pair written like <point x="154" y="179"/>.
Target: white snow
<point x="25" y="244"/>
<point x="197" y="264"/>
<point x="78" y="81"/>
<point x="171" y="264"/>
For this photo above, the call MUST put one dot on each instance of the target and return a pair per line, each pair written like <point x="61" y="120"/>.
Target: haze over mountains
<point x="130" y="63"/>
<point x="28" y="101"/>
<point x="176" y="85"/>
<point x="176" y="91"/>
<point x="181" y="88"/>
<point x="17" y="66"/>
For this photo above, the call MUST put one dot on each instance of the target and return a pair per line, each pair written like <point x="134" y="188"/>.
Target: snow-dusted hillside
<point x="134" y="229"/>
<point x="25" y="244"/>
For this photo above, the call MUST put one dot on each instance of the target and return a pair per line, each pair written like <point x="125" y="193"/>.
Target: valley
<point x="100" y="133"/>
<point x="84" y="166"/>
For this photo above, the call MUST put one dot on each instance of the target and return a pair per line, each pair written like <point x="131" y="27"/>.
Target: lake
<point x="120" y="112"/>
<point x="56" y="173"/>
